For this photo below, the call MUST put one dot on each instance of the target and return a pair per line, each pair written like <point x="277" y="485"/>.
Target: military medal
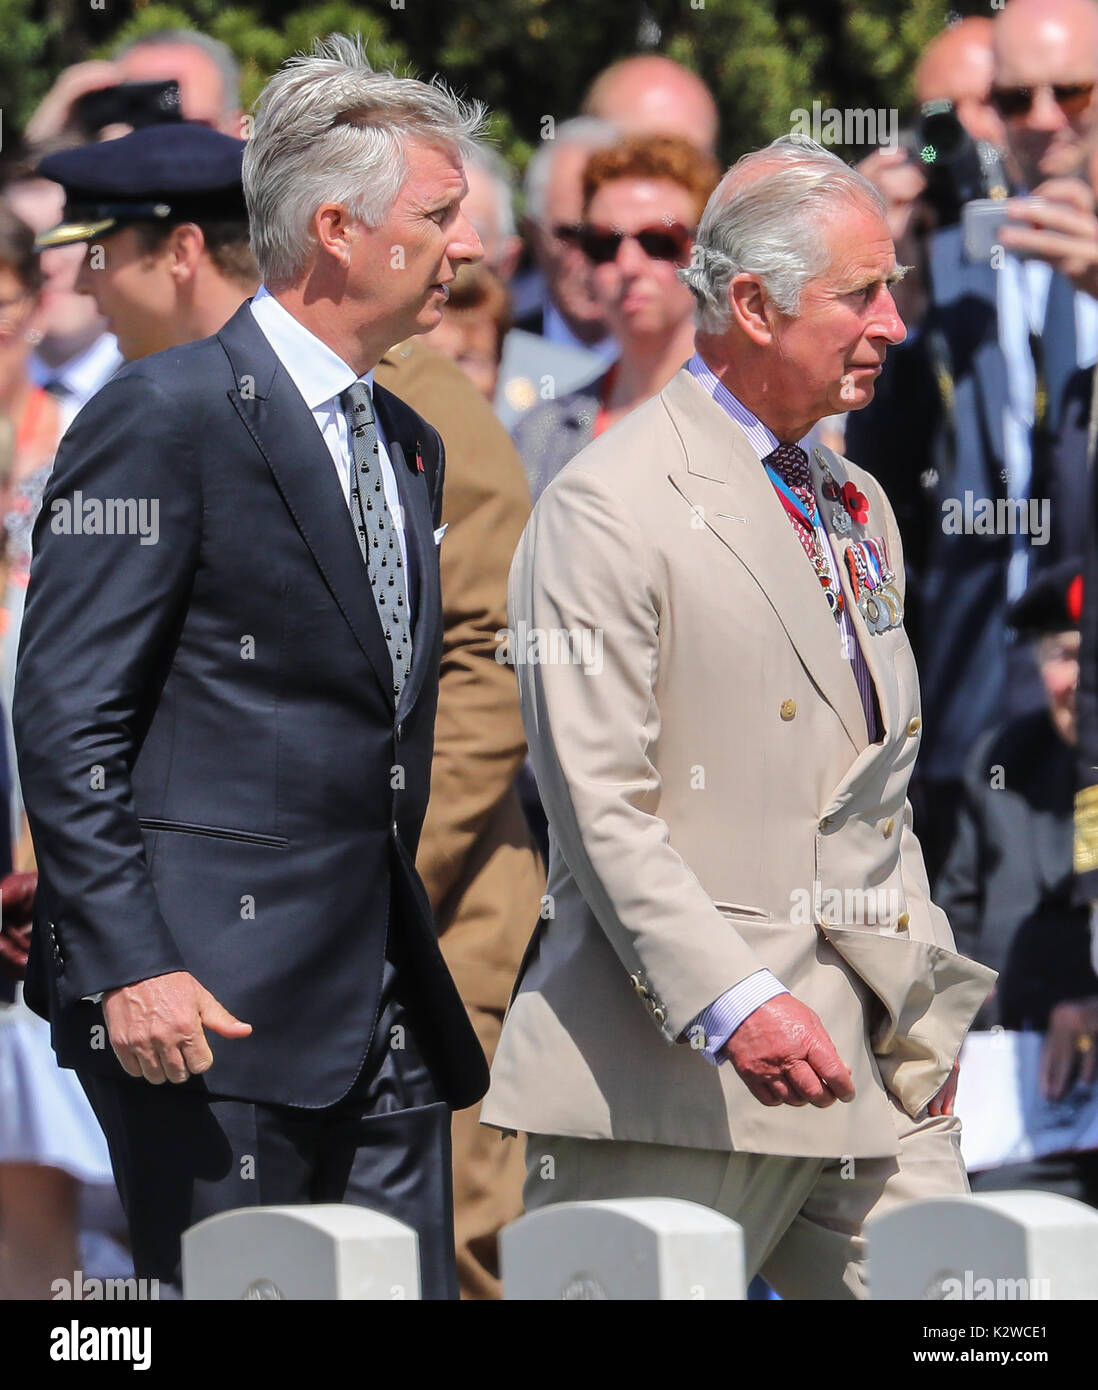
<point x="871" y="579"/>
<point x="831" y="490"/>
<point x="828" y="582"/>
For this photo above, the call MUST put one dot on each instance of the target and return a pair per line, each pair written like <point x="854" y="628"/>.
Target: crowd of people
<point x="576" y="301"/>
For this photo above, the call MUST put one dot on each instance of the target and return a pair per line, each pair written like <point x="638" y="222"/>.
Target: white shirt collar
<point x="82" y="376"/>
<point x="318" y="372"/>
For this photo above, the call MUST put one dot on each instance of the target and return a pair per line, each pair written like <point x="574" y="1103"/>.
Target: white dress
<point x="45" y="1118"/>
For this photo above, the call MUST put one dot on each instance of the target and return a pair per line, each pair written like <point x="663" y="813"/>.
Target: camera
<point x="136" y="104"/>
<point x="957" y="168"/>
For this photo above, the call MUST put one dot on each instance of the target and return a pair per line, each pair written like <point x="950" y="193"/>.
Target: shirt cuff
<point x="715" y="1025"/>
<point x="93" y="998"/>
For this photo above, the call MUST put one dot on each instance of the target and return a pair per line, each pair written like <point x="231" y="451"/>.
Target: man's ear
<point x="334" y="232"/>
<point x="186" y="246"/>
<point x="751" y="308"/>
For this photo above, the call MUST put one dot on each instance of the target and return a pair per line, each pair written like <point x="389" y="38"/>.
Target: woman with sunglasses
<point x="641" y="203"/>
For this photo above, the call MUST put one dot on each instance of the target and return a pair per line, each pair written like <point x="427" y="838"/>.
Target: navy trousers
<point x="180" y="1155"/>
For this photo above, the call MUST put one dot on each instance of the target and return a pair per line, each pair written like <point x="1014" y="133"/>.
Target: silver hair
<point x="220" y="54"/>
<point x="503" y="178"/>
<point x="763" y="217"/>
<point x="330" y="129"/>
<point x="591" y="131"/>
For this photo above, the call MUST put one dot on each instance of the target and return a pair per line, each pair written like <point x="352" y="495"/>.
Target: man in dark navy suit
<point x="226" y="696"/>
<point x="966" y="410"/>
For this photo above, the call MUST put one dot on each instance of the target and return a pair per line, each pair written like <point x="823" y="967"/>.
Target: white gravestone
<point x="322" y="1252"/>
<point x="636" y="1248"/>
<point x="1001" y="1246"/>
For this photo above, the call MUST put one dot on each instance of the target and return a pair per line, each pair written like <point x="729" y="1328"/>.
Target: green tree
<point x="528" y="58"/>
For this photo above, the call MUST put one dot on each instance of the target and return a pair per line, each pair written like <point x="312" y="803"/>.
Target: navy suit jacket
<point x="216" y="775"/>
<point x="934" y="432"/>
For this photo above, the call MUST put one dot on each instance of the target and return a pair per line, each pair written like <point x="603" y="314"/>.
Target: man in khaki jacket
<point x="742" y="995"/>
<point x="476" y="855"/>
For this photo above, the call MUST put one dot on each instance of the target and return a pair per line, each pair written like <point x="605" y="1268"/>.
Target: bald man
<point x="1046" y="84"/>
<point x="958" y="66"/>
<point x="969" y="406"/>
<point x="652" y="95"/>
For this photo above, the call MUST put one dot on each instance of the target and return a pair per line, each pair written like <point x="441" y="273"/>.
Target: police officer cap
<point x="177" y="172"/>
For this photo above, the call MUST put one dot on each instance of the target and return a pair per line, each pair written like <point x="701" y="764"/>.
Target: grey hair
<point x="220" y="54"/>
<point x="763" y="218"/>
<point x="330" y="129"/>
<point x="500" y="172"/>
<point x="591" y="131"/>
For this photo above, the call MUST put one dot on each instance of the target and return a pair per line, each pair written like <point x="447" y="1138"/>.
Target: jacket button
<point x="887" y="827"/>
<point x="902" y="921"/>
<point x="914" y="725"/>
<point x="659" y="1015"/>
<point x="395" y="829"/>
<point x="399" y="732"/>
<point x="788" y="709"/>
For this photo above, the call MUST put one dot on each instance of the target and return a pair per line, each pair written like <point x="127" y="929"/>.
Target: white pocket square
<point x="440" y="533"/>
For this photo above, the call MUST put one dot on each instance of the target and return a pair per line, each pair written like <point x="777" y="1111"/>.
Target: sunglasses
<point x="664" y="243"/>
<point x="1072" y="98"/>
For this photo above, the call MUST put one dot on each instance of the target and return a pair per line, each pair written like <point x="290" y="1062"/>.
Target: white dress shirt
<point x="74" y="382"/>
<point x="1023" y="289"/>
<point x="321" y="376"/>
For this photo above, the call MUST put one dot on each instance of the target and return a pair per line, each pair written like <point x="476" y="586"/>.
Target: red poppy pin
<point x="1075" y="598"/>
<point x="856" y="503"/>
<point x="419" y="458"/>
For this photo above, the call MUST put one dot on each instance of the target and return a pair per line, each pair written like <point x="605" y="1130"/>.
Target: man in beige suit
<point x="476" y="855"/>
<point x="743" y="995"/>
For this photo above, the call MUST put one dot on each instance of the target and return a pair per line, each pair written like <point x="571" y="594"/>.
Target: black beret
<point x="178" y="172"/>
<point x="1053" y="602"/>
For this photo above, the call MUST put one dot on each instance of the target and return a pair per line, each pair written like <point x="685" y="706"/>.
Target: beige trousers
<point x="802" y="1217"/>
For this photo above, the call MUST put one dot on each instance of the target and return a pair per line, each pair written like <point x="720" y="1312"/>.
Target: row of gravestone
<point x="1002" y="1245"/>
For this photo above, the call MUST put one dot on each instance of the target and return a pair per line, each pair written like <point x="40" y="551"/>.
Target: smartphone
<point x="981" y="222"/>
<point x="135" y="104"/>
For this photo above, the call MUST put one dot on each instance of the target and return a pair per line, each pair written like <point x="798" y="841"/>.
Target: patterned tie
<point x="790" y="462"/>
<point x="377" y="537"/>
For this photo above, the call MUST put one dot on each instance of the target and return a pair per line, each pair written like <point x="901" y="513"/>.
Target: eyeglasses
<point x="664" y="243"/>
<point x="568" y="232"/>
<point x="1072" y="98"/>
<point x="9" y="311"/>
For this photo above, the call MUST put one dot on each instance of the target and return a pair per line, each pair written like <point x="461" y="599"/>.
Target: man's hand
<point x="784" y="1056"/>
<point x="942" y="1104"/>
<point x="1057" y="225"/>
<point x="17" y="897"/>
<point x="156" y="1026"/>
<point x="1071" y="1041"/>
<point x="54" y="115"/>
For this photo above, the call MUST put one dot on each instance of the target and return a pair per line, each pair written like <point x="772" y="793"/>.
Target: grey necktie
<point x="376" y="531"/>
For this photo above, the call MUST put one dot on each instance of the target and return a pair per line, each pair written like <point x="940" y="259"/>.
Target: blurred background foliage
<point x="526" y="58"/>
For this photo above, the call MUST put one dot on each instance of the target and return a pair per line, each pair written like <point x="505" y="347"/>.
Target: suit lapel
<point x="271" y="409"/>
<point x="418" y="537"/>
<point x="730" y="493"/>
